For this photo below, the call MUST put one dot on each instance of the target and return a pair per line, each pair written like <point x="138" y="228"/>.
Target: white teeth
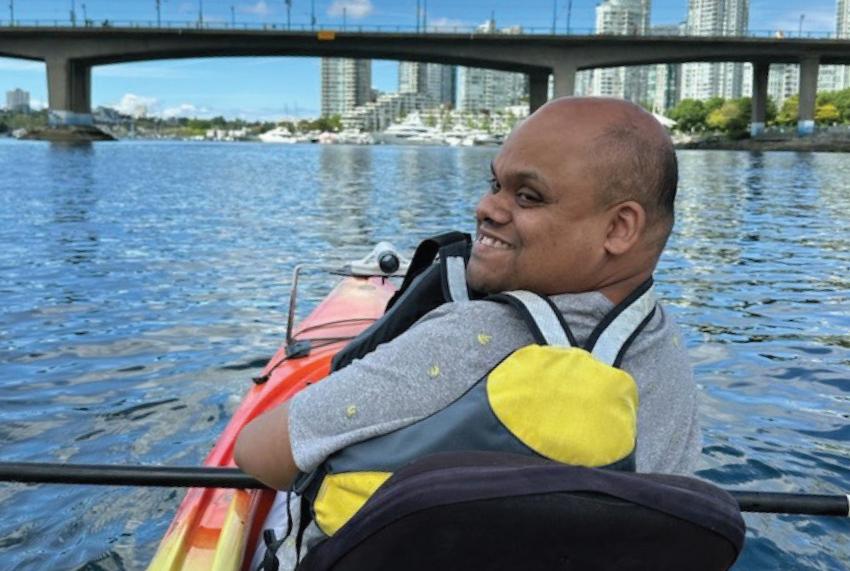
<point x="493" y="242"/>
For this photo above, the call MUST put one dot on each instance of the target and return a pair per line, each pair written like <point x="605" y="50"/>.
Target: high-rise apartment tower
<point x="435" y="81"/>
<point x="715" y="18"/>
<point x="488" y="89"/>
<point x="346" y="83"/>
<point x="623" y="18"/>
<point x="842" y="30"/>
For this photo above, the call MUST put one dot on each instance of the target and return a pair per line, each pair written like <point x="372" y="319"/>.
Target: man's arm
<point x="402" y="381"/>
<point x="263" y="449"/>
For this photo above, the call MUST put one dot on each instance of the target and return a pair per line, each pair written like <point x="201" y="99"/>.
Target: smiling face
<point x="543" y="226"/>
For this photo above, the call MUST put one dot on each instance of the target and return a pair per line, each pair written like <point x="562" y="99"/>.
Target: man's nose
<point x="492" y="208"/>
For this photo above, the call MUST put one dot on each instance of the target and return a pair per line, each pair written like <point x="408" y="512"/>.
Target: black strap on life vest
<point x="426" y="286"/>
<point x="424" y="256"/>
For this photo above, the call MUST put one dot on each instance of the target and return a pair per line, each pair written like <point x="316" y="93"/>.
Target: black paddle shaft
<point x="803" y="504"/>
<point x="106" y="475"/>
<point x="209" y="477"/>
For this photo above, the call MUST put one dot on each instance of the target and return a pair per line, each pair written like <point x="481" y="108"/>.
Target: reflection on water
<point x="142" y="284"/>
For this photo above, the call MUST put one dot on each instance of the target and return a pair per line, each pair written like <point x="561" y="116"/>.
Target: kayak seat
<point x="496" y="511"/>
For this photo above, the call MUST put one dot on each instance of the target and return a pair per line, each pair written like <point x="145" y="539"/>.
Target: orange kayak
<point x="215" y="528"/>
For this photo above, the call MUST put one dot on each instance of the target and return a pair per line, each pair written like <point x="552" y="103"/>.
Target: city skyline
<point x="277" y="87"/>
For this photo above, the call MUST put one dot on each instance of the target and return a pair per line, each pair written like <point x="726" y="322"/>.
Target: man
<point x="579" y="210"/>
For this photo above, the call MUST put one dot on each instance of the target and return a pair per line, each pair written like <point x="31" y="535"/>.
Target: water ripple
<point x="143" y="284"/>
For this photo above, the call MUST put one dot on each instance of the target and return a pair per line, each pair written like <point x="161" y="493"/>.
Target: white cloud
<point x="37" y="104"/>
<point x="259" y="9"/>
<point x="351" y="8"/>
<point x="182" y="110"/>
<point x="141" y="106"/>
<point x="447" y="25"/>
<point x="135" y="105"/>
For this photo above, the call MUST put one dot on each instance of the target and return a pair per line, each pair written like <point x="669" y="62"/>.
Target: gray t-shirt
<point x="441" y="356"/>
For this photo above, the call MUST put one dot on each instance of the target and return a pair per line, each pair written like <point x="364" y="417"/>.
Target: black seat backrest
<point x="495" y="511"/>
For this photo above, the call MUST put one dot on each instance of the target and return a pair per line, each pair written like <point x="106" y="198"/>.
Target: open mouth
<point x="492" y="242"/>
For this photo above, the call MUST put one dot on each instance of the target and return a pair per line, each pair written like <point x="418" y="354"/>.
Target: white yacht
<point x="278" y="135"/>
<point x="456" y="136"/>
<point x="484" y="139"/>
<point x="411" y="131"/>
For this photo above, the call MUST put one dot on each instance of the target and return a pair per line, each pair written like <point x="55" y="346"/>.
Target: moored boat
<point x="280" y="135"/>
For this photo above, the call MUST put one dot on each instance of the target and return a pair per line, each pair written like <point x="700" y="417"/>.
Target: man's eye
<point x="527" y="197"/>
<point x="494" y="185"/>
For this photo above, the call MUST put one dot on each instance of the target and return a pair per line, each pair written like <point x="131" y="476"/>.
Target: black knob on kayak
<point x="388" y="262"/>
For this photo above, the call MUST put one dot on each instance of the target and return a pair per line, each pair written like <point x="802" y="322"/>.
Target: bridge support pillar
<point x="565" y="78"/>
<point x="759" y="108"/>
<point x="538" y="90"/>
<point x="68" y="92"/>
<point x="808" y="94"/>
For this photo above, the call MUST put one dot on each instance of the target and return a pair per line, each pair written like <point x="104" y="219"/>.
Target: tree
<point x="770" y="111"/>
<point x="841" y="101"/>
<point x="732" y="118"/>
<point x="689" y="115"/>
<point x="713" y="103"/>
<point x="827" y="114"/>
<point x="788" y="112"/>
<point x="332" y="123"/>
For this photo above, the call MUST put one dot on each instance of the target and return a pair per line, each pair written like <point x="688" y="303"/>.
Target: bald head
<point x="627" y="152"/>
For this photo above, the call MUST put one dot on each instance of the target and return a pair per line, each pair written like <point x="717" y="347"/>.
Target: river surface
<point x="142" y="284"/>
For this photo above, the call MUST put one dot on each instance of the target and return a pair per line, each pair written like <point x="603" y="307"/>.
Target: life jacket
<point x="552" y="399"/>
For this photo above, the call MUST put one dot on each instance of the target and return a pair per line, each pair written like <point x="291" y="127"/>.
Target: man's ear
<point x="627" y="223"/>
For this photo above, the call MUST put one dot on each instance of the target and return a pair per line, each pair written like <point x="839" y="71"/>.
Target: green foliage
<point x="732" y="117"/>
<point x="713" y="103"/>
<point x="19" y="120"/>
<point x="827" y="114"/>
<point x="486" y="124"/>
<point x="771" y="111"/>
<point x="447" y="121"/>
<point x="690" y="115"/>
<point x="841" y="101"/>
<point x="332" y="123"/>
<point x="788" y="113"/>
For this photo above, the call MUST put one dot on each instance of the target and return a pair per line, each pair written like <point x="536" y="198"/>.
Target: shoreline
<point x="69" y="134"/>
<point x="814" y="143"/>
<point x="796" y="144"/>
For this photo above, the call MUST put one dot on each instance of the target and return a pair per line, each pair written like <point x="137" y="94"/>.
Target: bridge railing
<point x="357" y="28"/>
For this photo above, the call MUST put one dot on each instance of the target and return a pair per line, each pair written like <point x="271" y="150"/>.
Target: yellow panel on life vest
<point x="566" y="405"/>
<point x="342" y="495"/>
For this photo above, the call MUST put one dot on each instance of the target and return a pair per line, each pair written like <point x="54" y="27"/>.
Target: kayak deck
<point x="213" y="528"/>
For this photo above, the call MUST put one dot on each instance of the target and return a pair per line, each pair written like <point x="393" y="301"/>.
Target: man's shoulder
<point x="662" y="333"/>
<point x="472" y="312"/>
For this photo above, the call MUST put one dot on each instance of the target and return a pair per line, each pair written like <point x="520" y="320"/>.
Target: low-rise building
<point x="379" y="114"/>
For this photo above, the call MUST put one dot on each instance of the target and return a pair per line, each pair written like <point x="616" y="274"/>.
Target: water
<point x="142" y="284"/>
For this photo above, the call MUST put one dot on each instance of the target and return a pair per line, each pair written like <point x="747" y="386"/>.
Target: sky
<point x="273" y="88"/>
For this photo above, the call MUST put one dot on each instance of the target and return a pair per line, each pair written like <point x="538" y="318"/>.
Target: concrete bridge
<point x="70" y="53"/>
